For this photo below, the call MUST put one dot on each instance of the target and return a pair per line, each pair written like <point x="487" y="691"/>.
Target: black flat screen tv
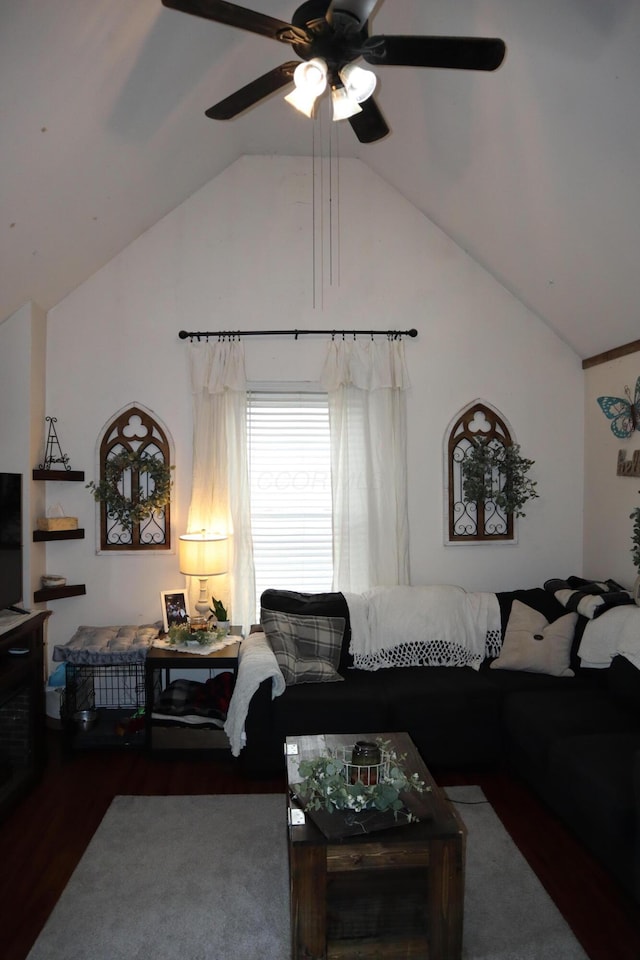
<point x="10" y="539"/>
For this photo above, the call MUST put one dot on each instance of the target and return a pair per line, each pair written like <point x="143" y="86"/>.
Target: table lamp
<point x="203" y="555"/>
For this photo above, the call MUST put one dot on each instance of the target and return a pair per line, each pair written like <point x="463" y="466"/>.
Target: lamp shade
<point x="310" y="80"/>
<point x="202" y="555"/>
<point x="358" y="82"/>
<point x="302" y="100"/>
<point x="343" y="105"/>
<point x="312" y="75"/>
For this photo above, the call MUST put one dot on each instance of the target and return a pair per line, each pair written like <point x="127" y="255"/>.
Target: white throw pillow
<point x="534" y="645"/>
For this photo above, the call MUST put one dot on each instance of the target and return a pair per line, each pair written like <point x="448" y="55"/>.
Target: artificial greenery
<point x="134" y="509"/>
<point x="635" y="537"/>
<point x="494" y="472"/>
<point x="179" y="634"/>
<point x="324" y="784"/>
<point x="219" y="610"/>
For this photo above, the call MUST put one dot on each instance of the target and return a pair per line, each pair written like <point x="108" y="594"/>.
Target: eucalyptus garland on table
<point x="324" y="785"/>
<point x="178" y="635"/>
<point x="137" y="508"/>
<point x="481" y="461"/>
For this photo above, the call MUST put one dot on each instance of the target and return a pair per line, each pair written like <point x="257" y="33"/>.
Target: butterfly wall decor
<point x="624" y="412"/>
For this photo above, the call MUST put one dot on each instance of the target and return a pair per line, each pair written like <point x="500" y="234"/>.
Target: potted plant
<point x="494" y="472"/>
<point x="220" y="614"/>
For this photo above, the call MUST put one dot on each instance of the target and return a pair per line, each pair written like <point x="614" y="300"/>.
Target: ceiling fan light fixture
<point x="310" y="78"/>
<point x="358" y="82"/>
<point x="302" y="100"/>
<point x="344" y="106"/>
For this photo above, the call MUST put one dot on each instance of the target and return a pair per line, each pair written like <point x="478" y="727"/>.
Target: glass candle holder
<point x="365" y="762"/>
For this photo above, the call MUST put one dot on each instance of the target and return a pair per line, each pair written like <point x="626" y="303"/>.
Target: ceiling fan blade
<point x="359" y="10"/>
<point x="250" y="94"/>
<point x="455" y="53"/>
<point x="369" y="125"/>
<point x="236" y="16"/>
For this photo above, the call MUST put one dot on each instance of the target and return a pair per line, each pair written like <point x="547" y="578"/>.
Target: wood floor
<point x="42" y="840"/>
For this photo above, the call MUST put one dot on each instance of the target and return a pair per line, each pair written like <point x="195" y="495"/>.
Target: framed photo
<point x="175" y="608"/>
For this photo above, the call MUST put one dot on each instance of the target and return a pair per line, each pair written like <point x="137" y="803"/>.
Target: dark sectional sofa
<point x="574" y="740"/>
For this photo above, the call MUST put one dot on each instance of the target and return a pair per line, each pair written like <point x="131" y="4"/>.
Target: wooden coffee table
<point x="396" y="893"/>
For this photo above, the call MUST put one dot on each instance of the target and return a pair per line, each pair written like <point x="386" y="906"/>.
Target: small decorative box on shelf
<point x="55" y="524"/>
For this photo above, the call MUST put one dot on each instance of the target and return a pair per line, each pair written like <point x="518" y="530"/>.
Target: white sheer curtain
<point x="220" y="500"/>
<point x="366" y="382"/>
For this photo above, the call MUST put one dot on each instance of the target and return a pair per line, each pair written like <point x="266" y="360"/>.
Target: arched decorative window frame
<point x="502" y="431"/>
<point x="159" y="436"/>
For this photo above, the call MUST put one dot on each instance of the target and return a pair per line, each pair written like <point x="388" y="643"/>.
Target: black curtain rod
<point x="222" y="334"/>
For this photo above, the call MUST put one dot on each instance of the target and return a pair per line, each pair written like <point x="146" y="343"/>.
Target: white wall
<point x="22" y="426"/>
<point x="609" y="499"/>
<point x="238" y="254"/>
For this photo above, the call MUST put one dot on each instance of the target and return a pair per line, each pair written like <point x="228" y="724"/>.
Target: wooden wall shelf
<point x="70" y="590"/>
<point x="40" y="535"/>
<point x="58" y="475"/>
<point x="59" y="593"/>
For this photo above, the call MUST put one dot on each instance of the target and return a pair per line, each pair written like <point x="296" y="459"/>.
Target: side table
<point x="158" y="666"/>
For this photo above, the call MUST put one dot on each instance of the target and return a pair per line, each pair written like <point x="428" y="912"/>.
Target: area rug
<point x="206" y="878"/>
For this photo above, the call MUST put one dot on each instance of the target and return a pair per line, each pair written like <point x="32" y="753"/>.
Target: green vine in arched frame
<point x="134" y="509"/>
<point x="484" y="463"/>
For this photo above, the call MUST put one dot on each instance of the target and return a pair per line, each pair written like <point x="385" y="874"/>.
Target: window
<point x="475" y="522"/>
<point x="290" y="484"/>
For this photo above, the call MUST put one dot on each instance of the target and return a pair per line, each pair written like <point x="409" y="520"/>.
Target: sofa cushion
<point x="593" y="792"/>
<point x="535" y="720"/>
<point x="534" y="645"/>
<point x="623" y="683"/>
<point x="307" y="648"/>
<point x="452" y="714"/>
<point x="537" y="598"/>
<point x="317" y="708"/>
<point x="331" y="604"/>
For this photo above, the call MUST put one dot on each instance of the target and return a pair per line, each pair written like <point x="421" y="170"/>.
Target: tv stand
<point x="22" y="713"/>
<point x="15" y="609"/>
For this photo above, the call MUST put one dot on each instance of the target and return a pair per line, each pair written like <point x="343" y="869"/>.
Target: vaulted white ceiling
<point x="533" y="169"/>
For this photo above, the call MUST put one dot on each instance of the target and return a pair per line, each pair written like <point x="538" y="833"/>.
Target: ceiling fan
<point x="329" y="36"/>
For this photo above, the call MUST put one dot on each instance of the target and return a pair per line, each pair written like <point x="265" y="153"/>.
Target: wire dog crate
<point x="113" y="695"/>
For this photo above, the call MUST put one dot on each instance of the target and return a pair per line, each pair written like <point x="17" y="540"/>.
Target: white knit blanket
<point x="615" y="632"/>
<point x="440" y="625"/>
<point x="256" y="662"/>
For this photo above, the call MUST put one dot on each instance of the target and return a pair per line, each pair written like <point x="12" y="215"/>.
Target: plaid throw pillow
<point x="307" y="648"/>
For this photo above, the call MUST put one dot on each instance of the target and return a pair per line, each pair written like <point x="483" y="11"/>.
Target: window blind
<point x="290" y="482"/>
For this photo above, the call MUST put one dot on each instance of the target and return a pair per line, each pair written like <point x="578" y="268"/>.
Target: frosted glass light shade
<point x="302" y="100"/>
<point x="358" y="82"/>
<point x="311" y="75"/>
<point x="343" y="106"/>
<point x="202" y="556"/>
<point x="310" y="78"/>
